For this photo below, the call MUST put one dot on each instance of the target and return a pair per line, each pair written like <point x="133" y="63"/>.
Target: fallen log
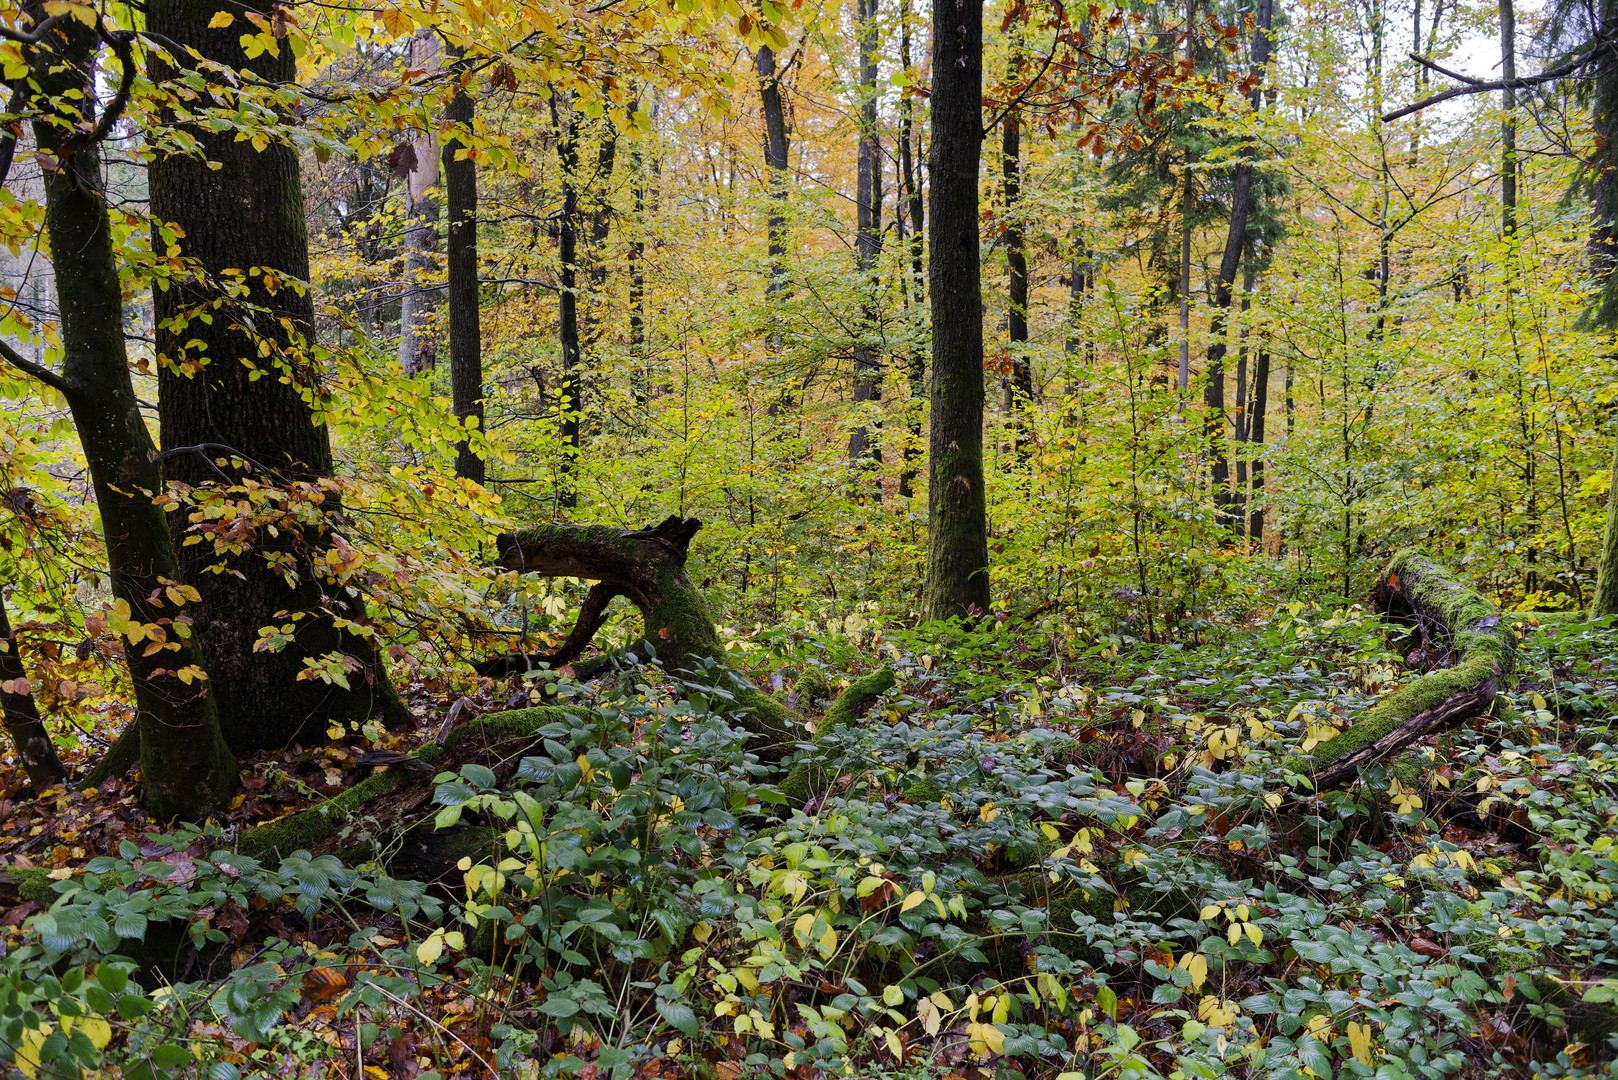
<point x="1458" y="627"/>
<point x="647" y="566"/>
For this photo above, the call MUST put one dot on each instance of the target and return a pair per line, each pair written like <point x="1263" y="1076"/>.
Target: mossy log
<point x="648" y="567"/>
<point x="853" y="703"/>
<point x="1458" y="627"/>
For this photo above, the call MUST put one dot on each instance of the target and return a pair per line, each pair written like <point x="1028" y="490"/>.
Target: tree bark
<point x="1020" y="387"/>
<point x="1508" y="126"/>
<point x="957" y="511"/>
<point x="862" y="453"/>
<point x="917" y="365"/>
<point x="1241" y="204"/>
<point x="228" y="408"/>
<point x="187" y="768"/>
<point x="34" y="747"/>
<point x="1255" y="435"/>
<point x="461" y="265"/>
<point x="1604" y="601"/>
<point x="571" y="403"/>
<point x="418" y="336"/>
<point x="777" y="145"/>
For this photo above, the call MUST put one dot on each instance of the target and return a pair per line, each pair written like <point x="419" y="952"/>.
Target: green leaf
<point x="679" y="1016"/>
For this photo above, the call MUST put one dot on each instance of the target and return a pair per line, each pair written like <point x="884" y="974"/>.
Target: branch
<point x="36" y="35"/>
<point x="126" y="61"/>
<point x="43" y="374"/>
<point x="1473" y="86"/>
<point x="20" y="93"/>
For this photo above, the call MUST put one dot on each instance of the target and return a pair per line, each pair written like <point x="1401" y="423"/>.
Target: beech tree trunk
<point x="188" y="770"/>
<point x="465" y="318"/>
<point x="228" y="410"/>
<point x="957" y="510"/>
<point x="418" y="336"/>
<point x="28" y="734"/>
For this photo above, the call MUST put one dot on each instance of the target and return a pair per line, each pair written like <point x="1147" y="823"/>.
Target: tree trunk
<point x="1508" y="126"/>
<point x="638" y="375"/>
<point x="34" y="747"/>
<point x="571" y="403"/>
<point x="1020" y="389"/>
<point x="917" y="277"/>
<point x="595" y="299"/>
<point x="1241" y="204"/>
<point x="223" y="400"/>
<point x="777" y="145"/>
<point x="1255" y="435"/>
<point x="647" y="566"/>
<point x="862" y="453"/>
<point x="465" y="318"/>
<point x="957" y="512"/>
<point x="187" y="768"/>
<point x="418" y="336"/>
<point x="1605" y="599"/>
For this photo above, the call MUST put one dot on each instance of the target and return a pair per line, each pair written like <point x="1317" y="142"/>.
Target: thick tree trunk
<point x="465" y="318"/>
<point x="957" y="511"/>
<point x="221" y="398"/>
<point x="418" y="336"/>
<point x="27" y="730"/>
<point x="648" y="567"/>
<point x="188" y="770"/>
<point x="1457" y="626"/>
<point x="862" y="452"/>
<point x="1604" y="601"/>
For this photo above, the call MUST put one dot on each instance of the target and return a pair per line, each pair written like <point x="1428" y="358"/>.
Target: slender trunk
<point x="27" y="730"/>
<point x="957" y="541"/>
<point x="188" y="770"/>
<point x="1241" y="205"/>
<point x="862" y="453"/>
<point x="595" y="255"/>
<point x="461" y="265"/>
<point x="777" y="145"/>
<point x="1239" y="417"/>
<point x="637" y="278"/>
<point x="1255" y="433"/>
<point x="1020" y="390"/>
<point x="571" y="404"/>
<point x="1186" y="196"/>
<point x="418" y="334"/>
<point x="1508" y="127"/>
<point x="1605" y="599"/>
<point x="917" y="272"/>
<point x="242" y="389"/>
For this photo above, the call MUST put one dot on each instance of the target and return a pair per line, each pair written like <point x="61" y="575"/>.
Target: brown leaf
<point x="402" y="160"/>
<point x="322" y="983"/>
<point x="1428" y="948"/>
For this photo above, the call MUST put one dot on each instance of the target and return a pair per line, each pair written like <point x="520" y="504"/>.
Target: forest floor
<point x="1029" y="861"/>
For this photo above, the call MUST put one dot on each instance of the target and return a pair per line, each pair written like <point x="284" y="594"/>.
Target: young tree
<point x="957" y="509"/>
<point x="237" y="396"/>
<point x="1020" y="388"/>
<point x="862" y="453"/>
<point x="187" y="768"/>
<point x="418" y="337"/>
<point x="461" y="265"/>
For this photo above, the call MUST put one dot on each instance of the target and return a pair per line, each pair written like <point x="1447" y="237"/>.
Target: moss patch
<point x="850" y="705"/>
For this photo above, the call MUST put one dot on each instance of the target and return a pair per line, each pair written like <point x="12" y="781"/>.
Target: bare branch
<point x="1473" y="86"/>
<point x="38" y="371"/>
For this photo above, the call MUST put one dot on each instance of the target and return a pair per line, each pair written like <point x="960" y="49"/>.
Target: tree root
<point x="1456" y="624"/>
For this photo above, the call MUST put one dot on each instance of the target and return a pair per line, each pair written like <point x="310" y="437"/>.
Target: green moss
<point x="1479" y="634"/>
<point x="32" y="883"/>
<point x="850" y="705"/>
<point x="811" y="686"/>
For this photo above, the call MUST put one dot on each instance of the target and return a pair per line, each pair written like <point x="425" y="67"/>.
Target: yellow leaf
<point x="1197" y="965"/>
<point x="801" y="928"/>
<point x="1359" y="1041"/>
<point x="912" y="900"/>
<point x="95" y="1028"/>
<point x="702" y="931"/>
<point x="589" y="771"/>
<point x="828" y="943"/>
<point x="220" y="20"/>
<point x="1209" y="912"/>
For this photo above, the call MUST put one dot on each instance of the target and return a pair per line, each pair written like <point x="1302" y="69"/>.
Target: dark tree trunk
<point x="637" y="278"/>
<point x="1241" y="204"/>
<point x="223" y="397"/>
<point x="917" y="288"/>
<point x="1020" y="388"/>
<point x="1255" y="434"/>
<point x="596" y="256"/>
<point x="418" y="336"/>
<point x="188" y="770"/>
<point x="465" y="318"/>
<point x="777" y="145"/>
<point x="862" y="453"/>
<point x="957" y="511"/>
<point x="571" y="404"/>
<point x="28" y="734"/>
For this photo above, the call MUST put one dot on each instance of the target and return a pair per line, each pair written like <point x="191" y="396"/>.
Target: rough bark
<point x="1604" y="601"/>
<point x="571" y="402"/>
<point x="461" y="265"/>
<point x="222" y="400"/>
<point x="1457" y="625"/>
<point x="957" y="514"/>
<point x="27" y="730"/>
<point x="862" y="452"/>
<point x="187" y="768"/>
<point x="418" y="334"/>
<point x="647" y="566"/>
<point x="777" y="145"/>
<point x="1255" y="435"/>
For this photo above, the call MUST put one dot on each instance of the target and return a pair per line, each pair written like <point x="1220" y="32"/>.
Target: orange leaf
<point x="323" y="982"/>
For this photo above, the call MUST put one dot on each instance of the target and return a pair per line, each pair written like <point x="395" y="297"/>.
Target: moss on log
<point x="1456" y="623"/>
<point x="850" y="705"/>
<point x="648" y="567"/>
